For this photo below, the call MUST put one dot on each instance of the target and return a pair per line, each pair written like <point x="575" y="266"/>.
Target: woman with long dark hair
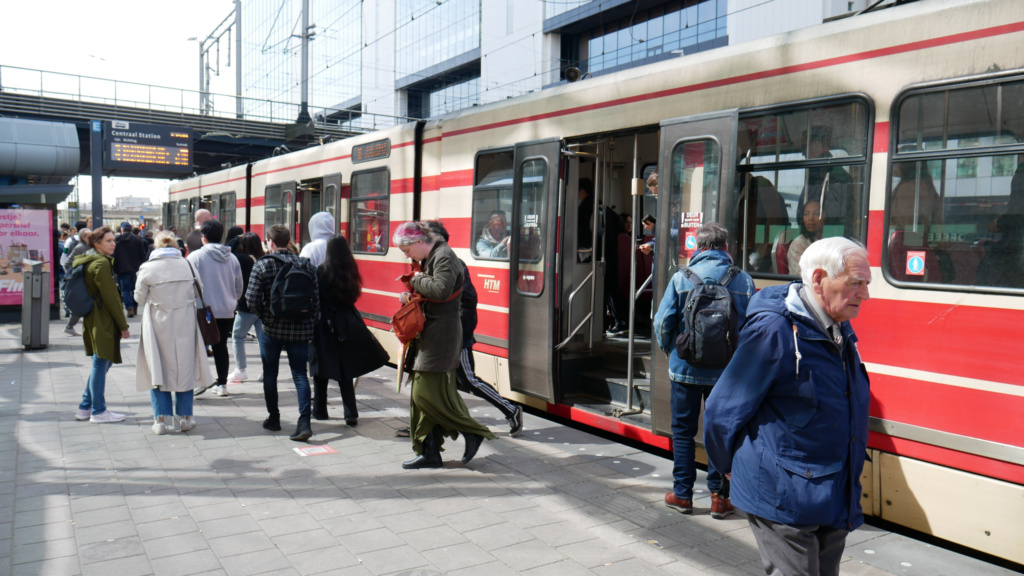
<point x="248" y="250"/>
<point x="343" y="347"/>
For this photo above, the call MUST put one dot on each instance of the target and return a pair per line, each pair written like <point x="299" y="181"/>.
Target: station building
<point x="423" y="58"/>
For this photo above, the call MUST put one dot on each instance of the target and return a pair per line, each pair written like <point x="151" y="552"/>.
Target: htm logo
<point x="10" y="286"/>
<point x="492" y="284"/>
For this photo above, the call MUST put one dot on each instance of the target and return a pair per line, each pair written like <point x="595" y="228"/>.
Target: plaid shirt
<point x="258" y="298"/>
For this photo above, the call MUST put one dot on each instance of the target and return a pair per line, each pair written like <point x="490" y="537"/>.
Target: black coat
<point x="130" y="252"/>
<point x="343" y="346"/>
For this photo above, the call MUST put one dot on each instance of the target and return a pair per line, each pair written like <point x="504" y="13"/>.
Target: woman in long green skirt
<point x="436" y="409"/>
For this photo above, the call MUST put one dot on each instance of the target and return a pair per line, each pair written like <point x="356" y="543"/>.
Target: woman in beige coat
<point x="172" y="356"/>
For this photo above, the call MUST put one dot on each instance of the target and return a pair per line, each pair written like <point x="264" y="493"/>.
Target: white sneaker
<point x="238" y="375"/>
<point x="106" y="416"/>
<point x="83" y="415"/>
<point x="70" y="331"/>
<point x="160" y="427"/>
<point x="187" y="423"/>
<point x="220" y="390"/>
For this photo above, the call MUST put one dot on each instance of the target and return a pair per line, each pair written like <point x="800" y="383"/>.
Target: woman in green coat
<point x="435" y="409"/>
<point x="105" y="326"/>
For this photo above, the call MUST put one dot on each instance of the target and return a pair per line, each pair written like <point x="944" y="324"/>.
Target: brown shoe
<point x="720" y="507"/>
<point x="678" y="504"/>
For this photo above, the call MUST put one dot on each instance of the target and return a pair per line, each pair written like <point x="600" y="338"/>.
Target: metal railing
<point x="103" y="91"/>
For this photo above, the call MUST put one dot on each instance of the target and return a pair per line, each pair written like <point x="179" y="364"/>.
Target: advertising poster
<point x="24" y="235"/>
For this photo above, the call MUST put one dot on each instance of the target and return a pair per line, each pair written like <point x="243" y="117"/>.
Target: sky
<point x="143" y="41"/>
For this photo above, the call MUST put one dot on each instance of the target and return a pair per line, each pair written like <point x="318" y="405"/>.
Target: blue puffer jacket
<point x="789" y="417"/>
<point x="669" y="319"/>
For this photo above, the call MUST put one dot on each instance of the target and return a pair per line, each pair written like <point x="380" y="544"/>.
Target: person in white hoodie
<point x="321" y="229"/>
<point x="222" y="287"/>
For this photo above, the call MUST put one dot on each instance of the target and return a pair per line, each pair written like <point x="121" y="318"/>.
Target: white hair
<point x="830" y="255"/>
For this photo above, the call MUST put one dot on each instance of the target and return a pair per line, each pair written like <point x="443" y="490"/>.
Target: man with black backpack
<point x="283" y="292"/>
<point x="697" y="326"/>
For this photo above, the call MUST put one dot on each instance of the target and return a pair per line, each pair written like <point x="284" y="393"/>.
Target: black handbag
<point x="204" y="315"/>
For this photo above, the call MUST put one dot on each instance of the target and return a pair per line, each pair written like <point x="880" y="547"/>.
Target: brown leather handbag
<point x="204" y="315"/>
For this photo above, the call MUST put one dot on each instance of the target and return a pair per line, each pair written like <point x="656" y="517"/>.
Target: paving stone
<point x="361" y="543"/>
<point x="458" y="556"/>
<point x="240" y="544"/>
<point x="527" y="555"/>
<point x="25" y="553"/>
<point x="191" y="563"/>
<point x="43" y="532"/>
<point x="110" y="549"/>
<point x="393" y="560"/>
<point x="260" y="562"/>
<point x="228" y="526"/>
<point x="63" y="565"/>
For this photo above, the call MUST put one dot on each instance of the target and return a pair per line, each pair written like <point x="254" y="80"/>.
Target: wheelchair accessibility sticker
<point x="915" y="263"/>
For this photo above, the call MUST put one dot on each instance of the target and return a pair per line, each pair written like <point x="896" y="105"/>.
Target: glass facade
<point x="335" y="58"/>
<point x="455" y="97"/>
<point x="270" y="52"/>
<point x="428" y="33"/>
<point x="266" y="55"/>
<point x="686" y="25"/>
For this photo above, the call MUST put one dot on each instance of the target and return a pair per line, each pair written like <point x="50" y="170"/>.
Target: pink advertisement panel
<point x="24" y="235"/>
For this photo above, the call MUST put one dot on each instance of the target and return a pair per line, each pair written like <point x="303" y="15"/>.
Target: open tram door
<point x="697" y="158"/>
<point x="533" y="290"/>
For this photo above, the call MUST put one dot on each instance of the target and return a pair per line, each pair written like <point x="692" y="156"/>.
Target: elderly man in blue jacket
<point x="788" y="419"/>
<point x="691" y="384"/>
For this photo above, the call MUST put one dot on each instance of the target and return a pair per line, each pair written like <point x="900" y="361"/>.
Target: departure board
<point x="133" y="148"/>
<point x="371" y="151"/>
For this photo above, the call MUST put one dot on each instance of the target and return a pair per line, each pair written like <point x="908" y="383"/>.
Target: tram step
<point x="613" y="387"/>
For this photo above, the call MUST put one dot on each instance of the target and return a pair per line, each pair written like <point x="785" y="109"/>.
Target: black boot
<point x="473" y="442"/>
<point x="431" y="457"/>
<point x="319" y="399"/>
<point x="302" y="430"/>
<point x="273" y="422"/>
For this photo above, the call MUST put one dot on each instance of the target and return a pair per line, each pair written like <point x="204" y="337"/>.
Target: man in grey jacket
<point x="321" y="229"/>
<point x="222" y="287"/>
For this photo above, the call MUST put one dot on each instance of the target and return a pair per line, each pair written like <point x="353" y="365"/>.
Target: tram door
<point x="697" y="157"/>
<point x="533" y="289"/>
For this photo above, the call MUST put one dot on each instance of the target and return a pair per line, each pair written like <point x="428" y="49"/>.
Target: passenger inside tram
<point x="494" y="237"/>
<point x="837" y="197"/>
<point x="1003" y="263"/>
<point x="810" y="230"/>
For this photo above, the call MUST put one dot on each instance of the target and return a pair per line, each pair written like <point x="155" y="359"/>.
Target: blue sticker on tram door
<point x="915" y="263"/>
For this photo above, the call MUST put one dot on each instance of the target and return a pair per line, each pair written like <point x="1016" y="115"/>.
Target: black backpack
<point x="76" y="295"/>
<point x="293" y="290"/>
<point x="710" y="326"/>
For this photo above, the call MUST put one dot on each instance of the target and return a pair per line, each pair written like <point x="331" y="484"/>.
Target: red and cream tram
<point x="902" y="128"/>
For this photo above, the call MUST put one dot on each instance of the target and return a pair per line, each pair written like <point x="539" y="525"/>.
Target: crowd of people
<point x="302" y="304"/>
<point x="791" y="414"/>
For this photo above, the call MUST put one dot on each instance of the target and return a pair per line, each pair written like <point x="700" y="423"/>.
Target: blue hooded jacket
<point x="668" y="321"/>
<point x="789" y="416"/>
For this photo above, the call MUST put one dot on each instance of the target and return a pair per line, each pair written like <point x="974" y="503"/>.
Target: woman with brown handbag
<point x="436" y="409"/>
<point x="171" y="351"/>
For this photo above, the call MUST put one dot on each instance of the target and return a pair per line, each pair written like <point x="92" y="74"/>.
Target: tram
<point x="902" y="128"/>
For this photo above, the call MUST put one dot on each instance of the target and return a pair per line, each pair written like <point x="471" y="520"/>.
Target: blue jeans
<point x="92" y="398"/>
<point x="686" y="402"/>
<point x="298" y="356"/>
<point x="126" y="281"/>
<point x="162" y="403"/>
<point x="244" y="321"/>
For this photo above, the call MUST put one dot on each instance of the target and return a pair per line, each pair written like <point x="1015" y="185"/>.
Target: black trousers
<point x="348" y="396"/>
<point x="220" y="349"/>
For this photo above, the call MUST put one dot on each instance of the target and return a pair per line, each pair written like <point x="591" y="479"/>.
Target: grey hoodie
<point x="222" y="278"/>
<point x="321" y="229"/>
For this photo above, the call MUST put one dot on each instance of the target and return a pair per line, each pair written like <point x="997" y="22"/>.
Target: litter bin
<point x="35" y="330"/>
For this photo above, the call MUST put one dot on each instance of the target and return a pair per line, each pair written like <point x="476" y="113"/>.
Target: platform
<point x="231" y="498"/>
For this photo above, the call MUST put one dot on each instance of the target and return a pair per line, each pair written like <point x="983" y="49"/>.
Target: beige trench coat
<point x="172" y="356"/>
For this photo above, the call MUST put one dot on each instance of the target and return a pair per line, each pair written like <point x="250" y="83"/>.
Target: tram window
<point x="958" y="219"/>
<point x="369" y="211"/>
<point x="532" y="216"/>
<point x="492" y="205"/>
<point x="227" y="210"/>
<point x="802" y="176"/>
<point x="273" y="210"/>
<point x="696" y="172"/>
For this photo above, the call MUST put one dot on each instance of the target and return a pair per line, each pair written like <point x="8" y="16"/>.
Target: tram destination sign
<point x="146" y="149"/>
<point x="371" y="151"/>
